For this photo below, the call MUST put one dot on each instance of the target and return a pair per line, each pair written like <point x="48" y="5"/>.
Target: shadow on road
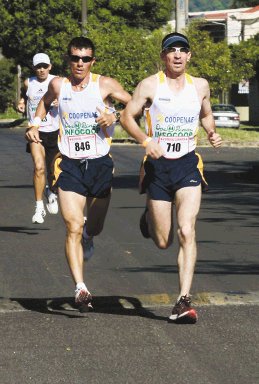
<point x="115" y="305"/>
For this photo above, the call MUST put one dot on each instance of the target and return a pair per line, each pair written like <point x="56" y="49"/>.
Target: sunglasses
<point x="85" y="59"/>
<point x="39" y="66"/>
<point x="178" y="49"/>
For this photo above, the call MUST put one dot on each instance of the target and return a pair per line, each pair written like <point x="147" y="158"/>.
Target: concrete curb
<point x="136" y="302"/>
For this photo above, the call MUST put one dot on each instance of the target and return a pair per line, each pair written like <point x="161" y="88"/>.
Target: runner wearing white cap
<point x="43" y="152"/>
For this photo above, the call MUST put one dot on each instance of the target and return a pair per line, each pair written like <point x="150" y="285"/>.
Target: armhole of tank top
<point x="160" y="77"/>
<point x="191" y="82"/>
<point x="63" y="82"/>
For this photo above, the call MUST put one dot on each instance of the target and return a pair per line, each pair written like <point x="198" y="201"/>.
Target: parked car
<point x="226" y="115"/>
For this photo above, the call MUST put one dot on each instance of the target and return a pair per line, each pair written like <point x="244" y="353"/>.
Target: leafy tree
<point x="220" y="64"/>
<point x="205" y="5"/>
<point x="7" y="83"/>
<point x="47" y="26"/>
<point x="244" y="3"/>
<point x="30" y="26"/>
<point x="128" y="54"/>
<point x="149" y="14"/>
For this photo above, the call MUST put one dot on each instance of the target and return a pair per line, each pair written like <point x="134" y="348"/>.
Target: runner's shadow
<point x="25" y="230"/>
<point x="113" y="305"/>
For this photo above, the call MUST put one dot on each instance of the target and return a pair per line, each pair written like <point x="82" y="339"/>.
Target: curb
<point x="137" y="302"/>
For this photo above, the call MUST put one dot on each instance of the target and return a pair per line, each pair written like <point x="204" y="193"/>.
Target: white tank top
<point x="35" y="91"/>
<point x="80" y="136"/>
<point x="173" y="120"/>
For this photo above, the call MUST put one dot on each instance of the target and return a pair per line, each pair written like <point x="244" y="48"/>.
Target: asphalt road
<point x="127" y="339"/>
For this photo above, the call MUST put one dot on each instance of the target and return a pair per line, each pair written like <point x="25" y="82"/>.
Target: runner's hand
<point x="21" y="106"/>
<point x="214" y="139"/>
<point x="154" y="150"/>
<point x="32" y="135"/>
<point x="104" y="119"/>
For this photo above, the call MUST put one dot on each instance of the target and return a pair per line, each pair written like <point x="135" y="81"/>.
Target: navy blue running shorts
<point x="163" y="177"/>
<point x="87" y="177"/>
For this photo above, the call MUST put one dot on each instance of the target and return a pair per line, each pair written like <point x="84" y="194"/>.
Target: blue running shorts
<point x="87" y="177"/>
<point x="163" y="177"/>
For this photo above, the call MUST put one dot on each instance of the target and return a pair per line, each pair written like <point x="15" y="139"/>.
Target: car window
<point x="223" y="108"/>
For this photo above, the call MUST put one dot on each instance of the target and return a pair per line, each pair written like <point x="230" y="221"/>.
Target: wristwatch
<point x="117" y="116"/>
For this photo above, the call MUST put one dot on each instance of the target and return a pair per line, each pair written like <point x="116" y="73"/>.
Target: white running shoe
<point x="38" y="217"/>
<point x="52" y="205"/>
<point x="83" y="296"/>
<point x="88" y="245"/>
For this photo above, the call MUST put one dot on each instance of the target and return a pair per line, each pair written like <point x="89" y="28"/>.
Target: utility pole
<point x="18" y="92"/>
<point x="181" y="11"/>
<point x="84" y="17"/>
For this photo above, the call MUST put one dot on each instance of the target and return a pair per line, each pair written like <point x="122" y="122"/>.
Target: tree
<point x="244" y="3"/>
<point x="31" y="26"/>
<point x="220" y="64"/>
<point x="47" y="26"/>
<point x="7" y="83"/>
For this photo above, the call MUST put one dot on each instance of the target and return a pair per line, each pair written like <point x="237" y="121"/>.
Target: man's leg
<point x="160" y="222"/>
<point x="96" y="213"/>
<point x="38" y="157"/>
<point x="51" y="150"/>
<point x="187" y="201"/>
<point x="72" y="210"/>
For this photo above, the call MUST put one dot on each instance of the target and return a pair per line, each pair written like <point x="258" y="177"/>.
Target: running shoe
<point x="143" y="225"/>
<point x="88" y="244"/>
<point x="52" y="205"/>
<point x="182" y="311"/>
<point x="38" y="217"/>
<point x="83" y="296"/>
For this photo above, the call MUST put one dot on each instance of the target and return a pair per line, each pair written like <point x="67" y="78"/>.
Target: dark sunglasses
<point x="178" y="49"/>
<point x="39" y="66"/>
<point x="85" y="59"/>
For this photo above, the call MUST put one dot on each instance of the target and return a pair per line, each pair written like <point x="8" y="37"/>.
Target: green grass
<point x="10" y="113"/>
<point x="245" y="133"/>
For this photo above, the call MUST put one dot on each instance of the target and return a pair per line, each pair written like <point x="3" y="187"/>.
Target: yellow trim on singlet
<point x="161" y="77"/>
<point x="149" y="123"/>
<point x="200" y="167"/>
<point x="188" y="78"/>
<point x="95" y="77"/>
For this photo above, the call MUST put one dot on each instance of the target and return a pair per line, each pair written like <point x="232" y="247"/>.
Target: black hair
<point x="80" y="42"/>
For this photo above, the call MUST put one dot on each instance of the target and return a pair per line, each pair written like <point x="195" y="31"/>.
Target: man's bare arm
<point x="110" y="88"/>
<point x="206" y="116"/>
<point x="143" y="95"/>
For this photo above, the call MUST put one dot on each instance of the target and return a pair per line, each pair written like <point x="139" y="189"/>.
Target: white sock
<point x="52" y="196"/>
<point x="81" y="286"/>
<point x="39" y="204"/>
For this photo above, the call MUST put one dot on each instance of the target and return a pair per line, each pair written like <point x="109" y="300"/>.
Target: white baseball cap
<point x="40" y="58"/>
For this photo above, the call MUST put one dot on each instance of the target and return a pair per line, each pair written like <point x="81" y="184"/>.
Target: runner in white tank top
<point x="43" y="153"/>
<point x="174" y="118"/>
<point x="173" y="104"/>
<point x="80" y="135"/>
<point x="85" y="170"/>
<point x="36" y="89"/>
